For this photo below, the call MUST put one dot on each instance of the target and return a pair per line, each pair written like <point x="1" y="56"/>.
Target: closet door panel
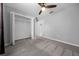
<point x="22" y="28"/>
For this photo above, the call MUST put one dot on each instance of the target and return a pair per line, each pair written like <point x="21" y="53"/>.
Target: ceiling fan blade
<point x="41" y="4"/>
<point x="51" y="6"/>
<point x="51" y="12"/>
<point x="40" y="12"/>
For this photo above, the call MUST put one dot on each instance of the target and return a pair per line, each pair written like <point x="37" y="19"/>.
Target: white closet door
<point x="22" y="28"/>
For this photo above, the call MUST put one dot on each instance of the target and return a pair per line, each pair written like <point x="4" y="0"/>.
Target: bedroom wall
<point x="7" y="10"/>
<point x="62" y="26"/>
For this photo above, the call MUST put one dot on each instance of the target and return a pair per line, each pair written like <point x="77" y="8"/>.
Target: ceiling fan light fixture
<point x="43" y="8"/>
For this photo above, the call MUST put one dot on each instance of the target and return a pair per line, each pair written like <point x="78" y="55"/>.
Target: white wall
<point x="22" y="28"/>
<point x="7" y="11"/>
<point x="63" y="26"/>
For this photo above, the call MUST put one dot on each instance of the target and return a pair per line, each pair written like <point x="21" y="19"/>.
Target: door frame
<point x="12" y="26"/>
<point x="2" y="48"/>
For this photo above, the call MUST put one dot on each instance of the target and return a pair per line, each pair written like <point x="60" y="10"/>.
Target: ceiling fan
<point x="44" y="6"/>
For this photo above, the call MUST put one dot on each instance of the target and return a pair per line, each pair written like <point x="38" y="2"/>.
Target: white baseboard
<point x="24" y="38"/>
<point x="61" y="41"/>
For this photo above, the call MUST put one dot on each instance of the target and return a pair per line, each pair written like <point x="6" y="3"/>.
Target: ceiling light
<point x="43" y="8"/>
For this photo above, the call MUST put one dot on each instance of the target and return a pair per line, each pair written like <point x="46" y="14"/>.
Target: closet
<point x="20" y="27"/>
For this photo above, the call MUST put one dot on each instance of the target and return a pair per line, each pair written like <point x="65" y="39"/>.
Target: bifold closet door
<point x="1" y="30"/>
<point x="22" y="28"/>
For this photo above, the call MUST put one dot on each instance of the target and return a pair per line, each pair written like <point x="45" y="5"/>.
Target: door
<point x="1" y="30"/>
<point x="22" y="28"/>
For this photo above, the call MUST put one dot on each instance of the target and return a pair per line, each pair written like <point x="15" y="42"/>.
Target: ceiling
<point x="32" y="9"/>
